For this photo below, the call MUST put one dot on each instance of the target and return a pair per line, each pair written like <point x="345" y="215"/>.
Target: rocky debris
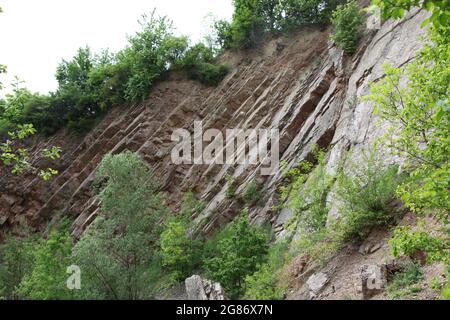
<point x="369" y="248"/>
<point x="373" y="280"/>
<point x="198" y="288"/>
<point x="316" y="283"/>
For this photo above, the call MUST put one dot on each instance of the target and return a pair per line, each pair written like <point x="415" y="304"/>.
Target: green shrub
<point x="347" y="21"/>
<point x="40" y="110"/>
<point x="264" y="283"/>
<point x="407" y="242"/>
<point x="47" y="280"/>
<point x="363" y="195"/>
<point x="190" y="206"/>
<point x="445" y="293"/>
<point x="308" y="193"/>
<point x="247" y="26"/>
<point x="208" y="74"/>
<point x="16" y="158"/>
<point x="5" y="127"/>
<point x="12" y="106"/>
<point x="16" y="261"/>
<point x="198" y="62"/>
<point x="362" y="191"/>
<point x="252" y="194"/>
<point x="406" y="282"/>
<point x="237" y="254"/>
<point x="231" y="187"/>
<point x="180" y="254"/>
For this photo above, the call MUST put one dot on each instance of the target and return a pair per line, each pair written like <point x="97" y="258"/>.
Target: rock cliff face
<point x="301" y="84"/>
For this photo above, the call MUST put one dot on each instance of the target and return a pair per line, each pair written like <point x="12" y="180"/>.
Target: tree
<point x="440" y="15"/>
<point x="224" y="35"/>
<point x="239" y="251"/>
<point x="347" y="20"/>
<point x="149" y="54"/>
<point x="75" y="73"/>
<point x="118" y="254"/>
<point x="419" y="113"/>
<point x="12" y="106"/>
<point x="253" y="19"/>
<point x="47" y="280"/>
<point x="247" y="26"/>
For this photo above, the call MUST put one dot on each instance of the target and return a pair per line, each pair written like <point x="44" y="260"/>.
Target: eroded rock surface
<point x="303" y="85"/>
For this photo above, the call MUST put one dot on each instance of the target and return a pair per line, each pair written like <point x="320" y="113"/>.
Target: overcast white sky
<point x="36" y="34"/>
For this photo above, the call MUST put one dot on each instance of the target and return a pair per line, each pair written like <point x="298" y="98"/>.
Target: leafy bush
<point x="231" y="187"/>
<point x="408" y="242"/>
<point x="264" y="283"/>
<point x="5" y="127"/>
<point x="347" y="20"/>
<point x="198" y="62"/>
<point x="180" y="253"/>
<point x="208" y="74"/>
<point x="362" y="192"/>
<point x="47" y="280"/>
<point x="16" y="261"/>
<point x="252" y="194"/>
<point x="40" y="110"/>
<point x="237" y="255"/>
<point x="119" y="252"/>
<point x="247" y="25"/>
<point x="308" y="192"/>
<point x="406" y="282"/>
<point x="363" y="196"/>
<point x="445" y="293"/>
<point x="319" y="245"/>
<point x="190" y="206"/>
<point x="12" y="107"/>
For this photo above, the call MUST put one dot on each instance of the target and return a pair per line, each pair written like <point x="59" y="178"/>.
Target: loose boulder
<point x="198" y="288"/>
<point x="316" y="283"/>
